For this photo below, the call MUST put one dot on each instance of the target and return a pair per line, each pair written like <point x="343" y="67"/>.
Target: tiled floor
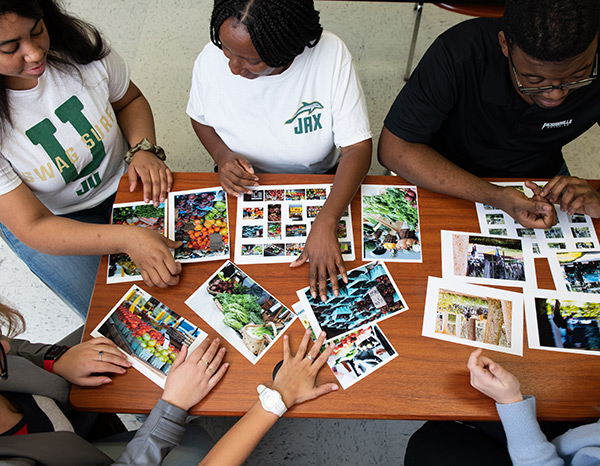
<point x="160" y="40"/>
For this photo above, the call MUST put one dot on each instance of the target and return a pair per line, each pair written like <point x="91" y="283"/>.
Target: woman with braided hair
<point x="275" y="93"/>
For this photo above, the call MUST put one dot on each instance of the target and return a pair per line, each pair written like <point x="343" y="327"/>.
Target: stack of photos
<point x="576" y="271"/>
<point x="355" y="354"/>
<point x="149" y="333"/>
<point x="241" y="311"/>
<point x="564" y="322"/>
<point x="390" y="223"/>
<point x="199" y="219"/>
<point x="369" y="296"/>
<point x="487" y="259"/>
<point x="120" y="266"/>
<point x="273" y="223"/>
<point x="570" y="232"/>
<point x="474" y="315"/>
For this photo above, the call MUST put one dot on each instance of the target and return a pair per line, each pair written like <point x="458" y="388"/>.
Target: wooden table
<point x="429" y="378"/>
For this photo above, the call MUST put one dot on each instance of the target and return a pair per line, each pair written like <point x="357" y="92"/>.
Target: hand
<point x="531" y="213"/>
<point x="236" y="174"/>
<point x="190" y="380"/>
<point x="573" y="194"/>
<point x="157" y="179"/>
<point x="296" y="379"/>
<point x="82" y="364"/>
<point x="322" y="249"/>
<point x="491" y="379"/>
<point x="150" y="252"/>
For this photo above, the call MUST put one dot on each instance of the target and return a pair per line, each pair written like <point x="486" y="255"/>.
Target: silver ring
<point x="210" y="369"/>
<point x="310" y="357"/>
<point x="207" y="363"/>
<point x="100" y="355"/>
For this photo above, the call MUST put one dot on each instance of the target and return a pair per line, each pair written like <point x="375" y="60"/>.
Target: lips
<point x="550" y="103"/>
<point x="38" y="70"/>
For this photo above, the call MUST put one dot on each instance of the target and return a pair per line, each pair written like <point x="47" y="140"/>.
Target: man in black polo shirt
<point x="500" y="98"/>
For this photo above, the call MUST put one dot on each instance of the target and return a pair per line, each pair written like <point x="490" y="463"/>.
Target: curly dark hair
<point x="551" y="30"/>
<point x="72" y="41"/>
<point x="279" y="29"/>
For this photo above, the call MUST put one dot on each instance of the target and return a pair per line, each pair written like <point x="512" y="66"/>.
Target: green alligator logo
<point x="305" y="107"/>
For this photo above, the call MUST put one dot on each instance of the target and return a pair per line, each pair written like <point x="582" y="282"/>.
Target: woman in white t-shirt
<point x="68" y="112"/>
<point x="275" y="93"/>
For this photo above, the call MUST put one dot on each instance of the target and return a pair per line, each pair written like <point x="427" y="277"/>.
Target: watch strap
<point x="279" y="408"/>
<point x="52" y="355"/>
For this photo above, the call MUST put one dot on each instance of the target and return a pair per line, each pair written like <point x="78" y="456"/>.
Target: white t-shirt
<point x="286" y="123"/>
<point x="65" y="143"/>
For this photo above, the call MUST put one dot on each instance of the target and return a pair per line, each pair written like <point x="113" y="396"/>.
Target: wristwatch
<point x="271" y="400"/>
<point x="145" y="144"/>
<point x="52" y="355"/>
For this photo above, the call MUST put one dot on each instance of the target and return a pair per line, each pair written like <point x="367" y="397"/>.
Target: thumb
<point x="539" y="206"/>
<point x="246" y="165"/>
<point x="497" y="370"/>
<point x="301" y="260"/>
<point x="133" y="177"/>
<point x="172" y="244"/>
<point x="321" y="390"/>
<point x="95" y="381"/>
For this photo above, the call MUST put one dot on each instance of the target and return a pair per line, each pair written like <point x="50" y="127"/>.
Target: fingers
<point x="197" y="354"/>
<point x="303" y="345"/>
<point x="316" y="347"/>
<point x="474" y="358"/>
<point x="236" y="176"/>
<point x="181" y="357"/>
<point x="156" y="177"/>
<point x="534" y="188"/>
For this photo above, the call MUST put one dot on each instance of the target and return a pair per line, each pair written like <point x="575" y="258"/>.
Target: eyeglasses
<point x="3" y="365"/>
<point x="540" y="90"/>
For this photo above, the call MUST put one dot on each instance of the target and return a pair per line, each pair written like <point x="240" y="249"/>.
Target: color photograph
<point x="474" y="315"/>
<point x="149" y="333"/>
<point x="564" y="322"/>
<point x="576" y="271"/>
<point x="241" y="311"/>
<point x="390" y="223"/>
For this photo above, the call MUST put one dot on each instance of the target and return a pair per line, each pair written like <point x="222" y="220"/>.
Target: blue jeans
<point x="70" y="277"/>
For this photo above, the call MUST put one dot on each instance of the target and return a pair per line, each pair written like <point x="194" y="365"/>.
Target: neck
<point x="10" y="414"/>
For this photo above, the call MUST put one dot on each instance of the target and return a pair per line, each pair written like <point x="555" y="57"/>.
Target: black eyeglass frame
<point x="541" y="90"/>
<point x="3" y="364"/>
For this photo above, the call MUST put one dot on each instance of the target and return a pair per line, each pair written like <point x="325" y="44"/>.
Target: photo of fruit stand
<point x="148" y="330"/>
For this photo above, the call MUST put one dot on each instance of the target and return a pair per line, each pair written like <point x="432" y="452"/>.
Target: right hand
<point x="236" y="174"/>
<point x="150" y="252"/>
<point x="296" y="380"/>
<point x="191" y="379"/>
<point x="491" y="379"/>
<point x="530" y="213"/>
<point x="573" y="194"/>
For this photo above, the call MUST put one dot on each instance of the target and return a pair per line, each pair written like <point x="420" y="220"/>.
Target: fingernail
<point x="334" y="388"/>
<point x="107" y="381"/>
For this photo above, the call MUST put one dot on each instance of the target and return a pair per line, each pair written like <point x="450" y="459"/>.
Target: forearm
<point x="211" y="141"/>
<point x="239" y="442"/>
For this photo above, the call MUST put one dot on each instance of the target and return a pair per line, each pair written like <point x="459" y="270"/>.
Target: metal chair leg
<point x="411" y="53"/>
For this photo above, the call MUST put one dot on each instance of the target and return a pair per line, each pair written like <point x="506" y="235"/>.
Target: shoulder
<point x="329" y="42"/>
<point x="470" y="39"/>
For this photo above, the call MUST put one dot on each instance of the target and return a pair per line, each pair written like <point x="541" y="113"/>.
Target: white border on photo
<point x="560" y="280"/>
<point x="156" y="376"/>
<point x="448" y="261"/>
<point x="202" y="303"/>
<point x="434" y="285"/>
<point x="413" y="255"/>
<point x="132" y="278"/>
<point x="173" y="217"/>
<point x="533" y="337"/>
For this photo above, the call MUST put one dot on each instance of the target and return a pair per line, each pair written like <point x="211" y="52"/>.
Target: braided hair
<point x="72" y="41"/>
<point x="551" y="30"/>
<point x="279" y="29"/>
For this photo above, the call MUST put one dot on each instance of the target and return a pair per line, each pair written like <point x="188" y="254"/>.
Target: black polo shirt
<point x="460" y="100"/>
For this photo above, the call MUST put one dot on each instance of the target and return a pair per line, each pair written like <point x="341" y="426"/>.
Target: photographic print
<point x="149" y="333"/>
<point x="241" y="311"/>
<point x="370" y="296"/>
<point x="567" y="322"/>
<point x="474" y="315"/>
<point x="488" y="259"/>
<point x="120" y="266"/>
<point x="199" y="219"/>
<point x="390" y="223"/>
<point x="576" y="271"/>
<point x="564" y="235"/>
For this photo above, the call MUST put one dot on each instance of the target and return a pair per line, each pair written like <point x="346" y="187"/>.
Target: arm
<point x="188" y="382"/>
<point x="423" y="166"/>
<point x="527" y="444"/>
<point x="573" y="194"/>
<point x="295" y="381"/>
<point x="30" y="221"/>
<point x="322" y="246"/>
<point x="135" y="120"/>
<point x="235" y="172"/>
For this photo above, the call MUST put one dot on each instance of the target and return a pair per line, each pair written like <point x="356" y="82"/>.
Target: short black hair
<point x="551" y="30"/>
<point x="279" y="29"/>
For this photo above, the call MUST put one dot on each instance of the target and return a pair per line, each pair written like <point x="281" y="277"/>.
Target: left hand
<point x="574" y="195"/>
<point x="82" y="364"/>
<point x="156" y="177"/>
<point x="323" y="250"/>
<point x="296" y="379"/>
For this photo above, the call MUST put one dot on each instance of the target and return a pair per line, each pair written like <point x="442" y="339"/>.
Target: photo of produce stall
<point x="241" y="311"/>
<point x="139" y="214"/>
<point x="148" y="332"/>
<point x="199" y="219"/>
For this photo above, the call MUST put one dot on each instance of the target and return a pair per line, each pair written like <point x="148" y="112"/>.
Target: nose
<point x="33" y="52"/>
<point x="235" y="65"/>
<point x="556" y="94"/>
